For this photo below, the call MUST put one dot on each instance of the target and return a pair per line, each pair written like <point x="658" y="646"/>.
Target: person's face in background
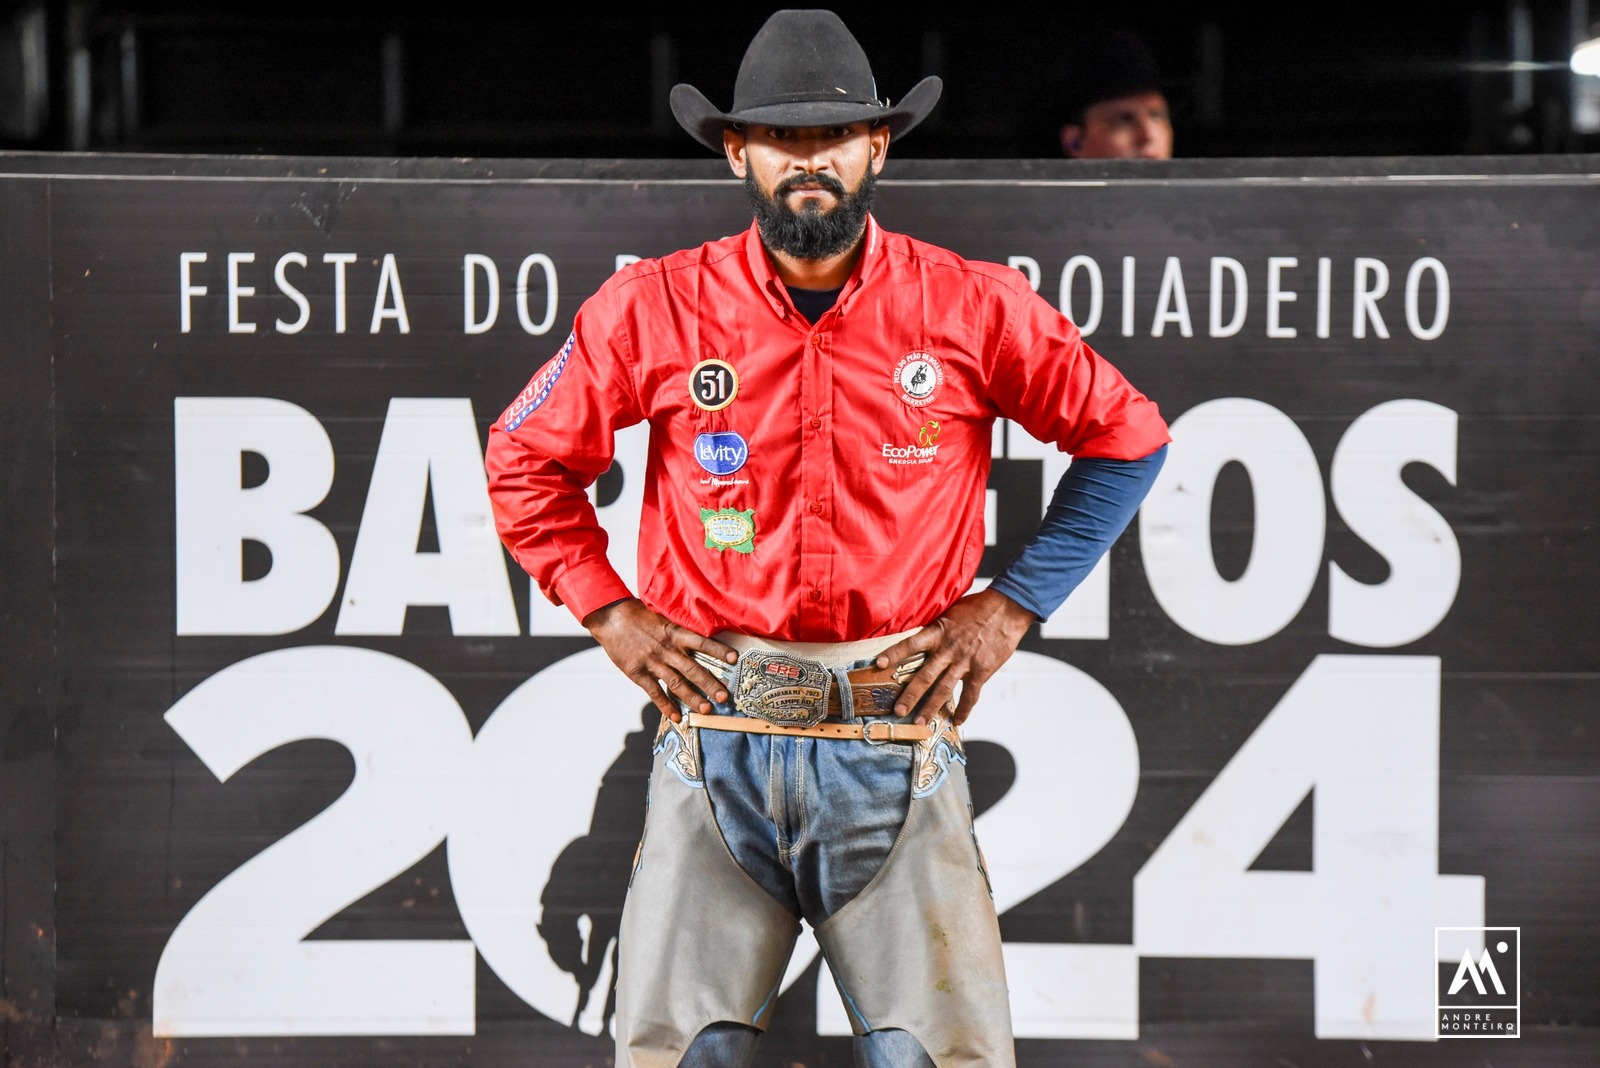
<point x="1128" y="127"/>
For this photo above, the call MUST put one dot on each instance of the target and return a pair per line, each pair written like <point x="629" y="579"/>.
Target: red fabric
<point x="848" y="545"/>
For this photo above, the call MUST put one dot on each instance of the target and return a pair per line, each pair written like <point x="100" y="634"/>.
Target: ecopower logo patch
<point x="923" y="452"/>
<point x="1477" y="981"/>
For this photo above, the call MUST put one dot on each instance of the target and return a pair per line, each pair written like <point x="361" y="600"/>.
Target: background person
<point x="1112" y="101"/>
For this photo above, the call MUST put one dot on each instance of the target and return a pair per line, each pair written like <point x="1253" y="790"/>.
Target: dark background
<point x="1364" y="77"/>
<point x="114" y="829"/>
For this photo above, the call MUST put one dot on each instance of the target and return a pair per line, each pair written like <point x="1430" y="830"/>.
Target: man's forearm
<point x="1093" y="504"/>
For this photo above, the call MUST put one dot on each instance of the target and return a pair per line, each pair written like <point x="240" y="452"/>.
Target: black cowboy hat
<point x="802" y="69"/>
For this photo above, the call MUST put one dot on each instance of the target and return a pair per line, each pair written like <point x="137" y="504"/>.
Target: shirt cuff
<point x="590" y="585"/>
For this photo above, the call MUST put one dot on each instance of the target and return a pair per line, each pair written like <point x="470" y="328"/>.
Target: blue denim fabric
<point x="812" y="821"/>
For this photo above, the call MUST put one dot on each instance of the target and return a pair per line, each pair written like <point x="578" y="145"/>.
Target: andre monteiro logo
<point x="1477" y="979"/>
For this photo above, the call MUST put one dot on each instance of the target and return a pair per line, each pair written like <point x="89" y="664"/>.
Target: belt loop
<point x="847" y="697"/>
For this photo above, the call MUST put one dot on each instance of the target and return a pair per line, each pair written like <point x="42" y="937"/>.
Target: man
<point x="821" y="395"/>
<point x="1113" y="102"/>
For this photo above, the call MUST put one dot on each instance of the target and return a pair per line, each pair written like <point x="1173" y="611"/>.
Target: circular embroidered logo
<point x="713" y="384"/>
<point x="918" y="376"/>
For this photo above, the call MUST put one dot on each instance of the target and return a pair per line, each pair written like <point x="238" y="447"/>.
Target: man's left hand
<point x="967" y="644"/>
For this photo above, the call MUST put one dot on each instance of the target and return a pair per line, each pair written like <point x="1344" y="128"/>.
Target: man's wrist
<point x="598" y="617"/>
<point x="1014" y="599"/>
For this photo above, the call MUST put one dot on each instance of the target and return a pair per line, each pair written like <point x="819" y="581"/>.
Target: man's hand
<point x="651" y="649"/>
<point x="967" y="644"/>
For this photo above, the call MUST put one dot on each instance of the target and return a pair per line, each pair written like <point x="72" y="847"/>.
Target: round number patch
<point x="713" y="384"/>
<point x="918" y="376"/>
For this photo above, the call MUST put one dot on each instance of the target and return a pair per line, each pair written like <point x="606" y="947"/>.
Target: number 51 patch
<point x="713" y="384"/>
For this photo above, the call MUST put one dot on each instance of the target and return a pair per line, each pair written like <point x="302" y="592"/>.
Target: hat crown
<point x="803" y="55"/>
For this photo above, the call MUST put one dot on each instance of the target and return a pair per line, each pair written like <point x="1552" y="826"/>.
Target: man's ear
<point x="1072" y="139"/>
<point x="879" y="145"/>
<point x="733" y="148"/>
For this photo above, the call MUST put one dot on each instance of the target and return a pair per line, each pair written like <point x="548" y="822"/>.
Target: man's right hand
<point x="651" y="649"/>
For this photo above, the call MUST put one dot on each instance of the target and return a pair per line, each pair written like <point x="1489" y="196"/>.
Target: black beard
<point x="811" y="234"/>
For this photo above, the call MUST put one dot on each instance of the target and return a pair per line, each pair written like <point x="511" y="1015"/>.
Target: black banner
<point x="318" y="781"/>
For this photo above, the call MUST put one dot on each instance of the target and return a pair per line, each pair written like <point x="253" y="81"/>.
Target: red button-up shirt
<point x="808" y="482"/>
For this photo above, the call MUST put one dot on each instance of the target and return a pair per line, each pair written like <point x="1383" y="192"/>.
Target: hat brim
<point x="705" y="123"/>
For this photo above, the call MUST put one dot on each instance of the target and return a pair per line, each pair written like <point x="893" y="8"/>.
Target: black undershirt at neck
<point x="813" y="303"/>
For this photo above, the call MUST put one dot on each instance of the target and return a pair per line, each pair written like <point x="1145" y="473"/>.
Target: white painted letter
<point x="339" y="260"/>
<point x="1324" y="294"/>
<point x="1096" y="292"/>
<point x="1286" y="546"/>
<point x="551" y="294"/>
<point x="1424" y="559"/>
<point x="1277" y="295"/>
<point x="187" y="288"/>
<point x="1366" y="299"/>
<point x="1127" y="296"/>
<point x="471" y="264"/>
<point x="1441" y="308"/>
<point x="1241" y="296"/>
<point x="235" y="291"/>
<point x="288" y="289"/>
<point x="389" y="287"/>
<point x="1029" y="268"/>
<point x="215" y="516"/>
<point x="428" y="442"/>
<point x="1172" y="305"/>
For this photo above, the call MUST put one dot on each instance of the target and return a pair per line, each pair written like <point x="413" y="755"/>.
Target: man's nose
<point x="810" y="162"/>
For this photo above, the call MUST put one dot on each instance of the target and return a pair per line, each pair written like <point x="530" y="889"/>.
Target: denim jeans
<point x="811" y="820"/>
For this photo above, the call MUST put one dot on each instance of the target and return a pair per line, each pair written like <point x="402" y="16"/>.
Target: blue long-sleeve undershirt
<point x="1094" y="502"/>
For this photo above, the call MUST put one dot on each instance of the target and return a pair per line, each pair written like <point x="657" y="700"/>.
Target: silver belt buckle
<point x="789" y="691"/>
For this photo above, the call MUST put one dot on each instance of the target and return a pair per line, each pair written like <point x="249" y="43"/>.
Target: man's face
<point x="1128" y="127"/>
<point x="811" y="187"/>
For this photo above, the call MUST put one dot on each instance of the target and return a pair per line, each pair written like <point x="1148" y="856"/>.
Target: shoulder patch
<point x="537" y="391"/>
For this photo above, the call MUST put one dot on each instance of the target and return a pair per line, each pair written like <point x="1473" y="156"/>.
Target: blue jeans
<point x="811" y="820"/>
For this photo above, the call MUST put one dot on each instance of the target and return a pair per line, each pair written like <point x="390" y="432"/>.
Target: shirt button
<point x="816" y="339"/>
<point x="816" y="507"/>
<point x="816" y="424"/>
<point x="816" y="595"/>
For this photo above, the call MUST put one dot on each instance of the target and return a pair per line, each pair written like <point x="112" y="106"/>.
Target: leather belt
<point x="875" y="731"/>
<point x="794" y="691"/>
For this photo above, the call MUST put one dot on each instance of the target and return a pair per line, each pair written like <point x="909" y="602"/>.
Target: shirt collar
<point x="772" y="287"/>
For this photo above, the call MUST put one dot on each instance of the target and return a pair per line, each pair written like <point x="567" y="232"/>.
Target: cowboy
<point x="803" y="622"/>
<point x="1112" y="101"/>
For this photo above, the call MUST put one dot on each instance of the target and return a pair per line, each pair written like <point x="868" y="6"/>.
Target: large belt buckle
<point x="789" y="691"/>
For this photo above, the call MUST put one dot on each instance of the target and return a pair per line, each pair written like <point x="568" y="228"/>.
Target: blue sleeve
<point x="1094" y="503"/>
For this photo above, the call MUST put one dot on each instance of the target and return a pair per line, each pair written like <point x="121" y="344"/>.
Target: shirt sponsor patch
<point x="538" y="390"/>
<point x="713" y="384"/>
<point x="923" y="452"/>
<point x="729" y="528"/>
<point x="918" y="377"/>
<point x="722" y="452"/>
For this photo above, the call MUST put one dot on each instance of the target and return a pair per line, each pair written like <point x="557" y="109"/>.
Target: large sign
<point x="333" y="784"/>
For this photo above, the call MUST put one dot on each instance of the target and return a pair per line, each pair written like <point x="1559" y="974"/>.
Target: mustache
<point x="799" y="181"/>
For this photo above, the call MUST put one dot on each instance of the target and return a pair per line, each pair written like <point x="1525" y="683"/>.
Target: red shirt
<point x="805" y="482"/>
